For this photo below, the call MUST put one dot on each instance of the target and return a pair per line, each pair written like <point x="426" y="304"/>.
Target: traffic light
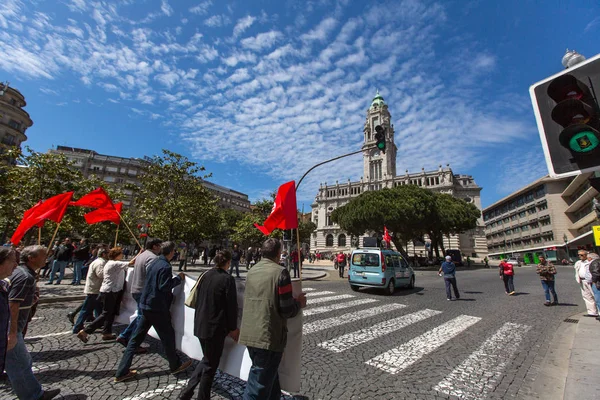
<point x="568" y="118"/>
<point x="380" y="138"/>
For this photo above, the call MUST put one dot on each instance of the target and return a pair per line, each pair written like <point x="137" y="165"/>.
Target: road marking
<point x="338" y="306"/>
<point x="352" y="339"/>
<point x="330" y="298"/>
<point x="475" y="377"/>
<point x="326" y="323"/>
<point x="157" y="392"/>
<point x="319" y="293"/>
<point x="48" y="335"/>
<point x="404" y="356"/>
<point x="308" y="289"/>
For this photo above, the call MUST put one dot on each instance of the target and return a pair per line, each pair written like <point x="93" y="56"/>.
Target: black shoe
<point x="50" y="394"/>
<point x="555" y="303"/>
<point x="547" y="304"/>
<point x="122" y="341"/>
<point x="71" y="318"/>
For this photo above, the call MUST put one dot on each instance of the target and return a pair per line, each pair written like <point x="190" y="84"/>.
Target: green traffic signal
<point x="380" y="138"/>
<point x="583" y="142"/>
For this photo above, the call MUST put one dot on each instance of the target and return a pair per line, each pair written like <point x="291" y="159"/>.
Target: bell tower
<point x="379" y="166"/>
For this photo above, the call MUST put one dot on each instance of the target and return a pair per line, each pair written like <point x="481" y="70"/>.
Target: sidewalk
<point x="66" y="292"/>
<point x="571" y="366"/>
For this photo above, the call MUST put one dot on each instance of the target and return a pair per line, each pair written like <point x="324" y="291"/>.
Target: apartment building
<point x="14" y="120"/>
<point x="551" y="217"/>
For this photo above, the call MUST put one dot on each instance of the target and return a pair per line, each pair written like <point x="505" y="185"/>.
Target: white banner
<point x="235" y="360"/>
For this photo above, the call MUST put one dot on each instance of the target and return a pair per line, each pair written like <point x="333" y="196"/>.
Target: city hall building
<point x="380" y="172"/>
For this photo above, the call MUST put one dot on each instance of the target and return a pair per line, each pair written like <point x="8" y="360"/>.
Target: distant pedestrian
<point x="205" y="255"/>
<point x="62" y="257"/>
<point x="595" y="272"/>
<point x="268" y="304"/>
<point x="80" y="256"/>
<point x="21" y="298"/>
<point x="155" y="303"/>
<point x="111" y="291"/>
<point x="341" y="262"/>
<point x="183" y="259"/>
<point x="448" y="269"/>
<point x="236" y="256"/>
<point x="212" y="253"/>
<point x="584" y="279"/>
<point x="295" y="263"/>
<point x="195" y="254"/>
<point x="507" y="273"/>
<point x="546" y="271"/>
<point x="215" y="319"/>
<point x="249" y="255"/>
<point x="486" y="262"/>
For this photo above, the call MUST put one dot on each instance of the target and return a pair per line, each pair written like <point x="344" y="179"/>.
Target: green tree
<point x="174" y="201"/>
<point x="228" y="219"/>
<point x="306" y="229"/>
<point x="245" y="233"/>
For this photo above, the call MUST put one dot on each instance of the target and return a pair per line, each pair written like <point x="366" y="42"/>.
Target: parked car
<point x="378" y="268"/>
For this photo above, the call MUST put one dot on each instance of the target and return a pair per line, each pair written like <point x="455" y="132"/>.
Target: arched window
<point x="329" y="240"/>
<point x="342" y="240"/>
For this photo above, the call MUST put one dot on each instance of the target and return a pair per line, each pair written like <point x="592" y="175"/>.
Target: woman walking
<point x="215" y="319"/>
<point x="113" y="282"/>
<point x="546" y="271"/>
<point x="507" y="274"/>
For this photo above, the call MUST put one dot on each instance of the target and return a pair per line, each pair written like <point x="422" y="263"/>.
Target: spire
<point x="377" y="100"/>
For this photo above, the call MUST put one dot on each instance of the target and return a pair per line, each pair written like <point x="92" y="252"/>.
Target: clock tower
<point x="378" y="166"/>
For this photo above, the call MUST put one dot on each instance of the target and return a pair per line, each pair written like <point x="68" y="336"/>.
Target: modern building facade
<point x="550" y="217"/>
<point x="14" y="120"/>
<point x="379" y="173"/>
<point x="118" y="171"/>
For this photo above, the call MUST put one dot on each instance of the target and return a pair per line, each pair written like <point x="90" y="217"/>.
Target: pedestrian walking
<point x="205" y="255"/>
<point x="212" y="253"/>
<point x="448" y="269"/>
<point x="92" y="306"/>
<point x="21" y="297"/>
<point x="341" y="262"/>
<point x="268" y="304"/>
<point x="507" y="274"/>
<point x="62" y="257"/>
<point x="183" y="259"/>
<point x="249" y="255"/>
<point x="236" y="256"/>
<point x="584" y="279"/>
<point x="486" y="262"/>
<point x="195" y="254"/>
<point x="295" y="263"/>
<point x="215" y="319"/>
<point x="111" y="291"/>
<point x="8" y="263"/>
<point x="138" y="280"/>
<point x="80" y="255"/>
<point x="547" y="271"/>
<point x="155" y="304"/>
<point x="594" y="267"/>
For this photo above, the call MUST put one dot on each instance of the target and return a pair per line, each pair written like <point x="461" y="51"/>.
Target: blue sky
<point x="258" y="91"/>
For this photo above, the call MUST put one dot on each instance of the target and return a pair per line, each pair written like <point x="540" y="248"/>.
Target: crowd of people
<point x="263" y="327"/>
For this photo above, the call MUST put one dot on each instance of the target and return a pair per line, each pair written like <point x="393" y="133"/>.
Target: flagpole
<point x="39" y="235"/>
<point x="129" y="229"/>
<point x="53" y="236"/>
<point x="298" y="251"/>
<point x="117" y="236"/>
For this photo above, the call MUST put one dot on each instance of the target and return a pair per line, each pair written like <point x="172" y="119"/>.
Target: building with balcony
<point x="118" y="171"/>
<point x="379" y="173"/>
<point x="14" y="120"/>
<point x="551" y="217"/>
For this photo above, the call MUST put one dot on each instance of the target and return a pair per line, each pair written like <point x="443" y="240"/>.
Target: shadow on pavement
<point x="75" y="397"/>
<point x="520" y="294"/>
<point x="463" y="299"/>
<point x="565" y="305"/>
<point x="59" y="355"/>
<point x="399" y="292"/>
<point x="471" y="292"/>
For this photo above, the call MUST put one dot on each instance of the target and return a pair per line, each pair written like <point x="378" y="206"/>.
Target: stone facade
<point x="14" y="120"/>
<point x="380" y="172"/>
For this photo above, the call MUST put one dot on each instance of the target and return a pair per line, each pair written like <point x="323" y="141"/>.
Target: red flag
<point x="386" y="236"/>
<point x="53" y="209"/>
<point x="95" y="199"/>
<point x="105" y="214"/>
<point x="285" y="212"/>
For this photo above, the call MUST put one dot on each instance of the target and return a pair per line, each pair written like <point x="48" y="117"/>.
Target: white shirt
<point x="95" y="276"/>
<point x="583" y="270"/>
<point x="114" y="276"/>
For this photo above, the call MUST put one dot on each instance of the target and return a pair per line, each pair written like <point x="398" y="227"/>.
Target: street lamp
<point x="566" y="240"/>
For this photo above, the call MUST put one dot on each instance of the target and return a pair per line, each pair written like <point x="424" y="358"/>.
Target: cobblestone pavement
<point x="357" y="345"/>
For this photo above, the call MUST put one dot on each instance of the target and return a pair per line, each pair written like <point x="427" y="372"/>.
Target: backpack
<point x="190" y="301"/>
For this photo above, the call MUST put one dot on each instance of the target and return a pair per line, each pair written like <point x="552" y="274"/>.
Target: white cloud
<point x="217" y="21"/>
<point x="201" y="8"/>
<point x="516" y="172"/>
<point x="243" y="24"/>
<point x="166" y="8"/>
<point x="321" y="31"/>
<point x="262" y="41"/>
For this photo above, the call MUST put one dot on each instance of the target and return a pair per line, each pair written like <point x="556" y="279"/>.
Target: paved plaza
<point x="357" y="345"/>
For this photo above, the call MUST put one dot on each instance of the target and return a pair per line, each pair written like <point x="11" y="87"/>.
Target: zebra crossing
<point x="474" y="377"/>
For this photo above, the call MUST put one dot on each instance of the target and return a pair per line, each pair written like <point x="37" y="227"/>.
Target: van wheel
<point x="391" y="288"/>
<point x="354" y="288"/>
<point x="411" y="285"/>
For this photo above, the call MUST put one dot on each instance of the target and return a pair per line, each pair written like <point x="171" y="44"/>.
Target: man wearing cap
<point x="449" y="270"/>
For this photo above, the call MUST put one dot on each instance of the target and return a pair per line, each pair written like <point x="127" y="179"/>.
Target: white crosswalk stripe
<point x="308" y="289"/>
<point x="311" y="294"/>
<point x="338" y="306"/>
<point x="327" y="323"/>
<point x="330" y="298"/>
<point x="352" y="339"/>
<point x="479" y="373"/>
<point x="404" y="356"/>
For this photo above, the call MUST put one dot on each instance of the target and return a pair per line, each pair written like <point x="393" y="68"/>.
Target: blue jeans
<point x="451" y="282"/>
<point x="263" y="378"/>
<point x="58" y="266"/>
<point x="549" y="287"/>
<point x="596" y="295"/>
<point x="77" y="273"/>
<point x="91" y="306"/>
<point x="126" y="334"/>
<point x="235" y="264"/>
<point x="18" y="369"/>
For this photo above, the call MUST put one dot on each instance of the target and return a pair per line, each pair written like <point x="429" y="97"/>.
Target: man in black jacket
<point x="595" y="272"/>
<point x="215" y="319"/>
<point x="80" y="256"/>
<point x="62" y="256"/>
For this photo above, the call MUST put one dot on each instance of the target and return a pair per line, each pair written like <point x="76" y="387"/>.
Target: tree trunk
<point x="398" y="244"/>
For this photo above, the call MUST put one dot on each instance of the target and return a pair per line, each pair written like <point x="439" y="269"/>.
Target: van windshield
<point x="365" y="259"/>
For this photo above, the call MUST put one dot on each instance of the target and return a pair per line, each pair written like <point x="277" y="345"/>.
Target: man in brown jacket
<point x="546" y="271"/>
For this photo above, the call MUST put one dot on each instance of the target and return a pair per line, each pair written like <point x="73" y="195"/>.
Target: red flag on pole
<point x="386" y="236"/>
<point x="53" y="209"/>
<point x="95" y="199"/>
<point x="105" y="214"/>
<point x="284" y="214"/>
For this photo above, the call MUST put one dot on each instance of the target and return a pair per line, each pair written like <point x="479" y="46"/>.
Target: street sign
<point x="568" y="118"/>
<point x="596" y="234"/>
